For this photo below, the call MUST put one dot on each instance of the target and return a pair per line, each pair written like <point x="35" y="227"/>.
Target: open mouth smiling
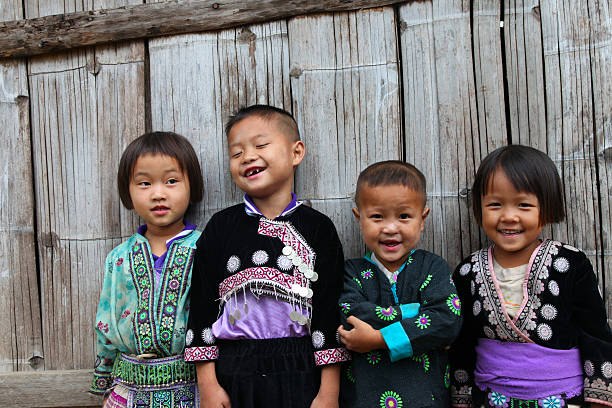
<point x="509" y="232"/>
<point x="253" y="171"/>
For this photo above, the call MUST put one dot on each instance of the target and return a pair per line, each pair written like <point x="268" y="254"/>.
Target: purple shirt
<point x="263" y="317"/>
<point x="159" y="260"/>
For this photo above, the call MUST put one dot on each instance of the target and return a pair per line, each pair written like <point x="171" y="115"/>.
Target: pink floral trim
<point x="201" y="353"/>
<point x="260" y="274"/>
<point x="331" y="356"/>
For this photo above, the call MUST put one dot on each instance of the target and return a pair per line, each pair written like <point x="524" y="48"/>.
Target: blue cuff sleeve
<point x="409" y="310"/>
<point x="397" y="341"/>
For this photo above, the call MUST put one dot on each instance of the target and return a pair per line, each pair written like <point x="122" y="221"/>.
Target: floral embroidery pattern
<point x="318" y="339"/>
<point x="498" y="400"/>
<point x="391" y="399"/>
<point x="461" y="376"/>
<point x="424" y="360"/>
<point x="125" y="314"/>
<point x="589" y="369"/>
<point x="423" y="321"/>
<point x="606" y="369"/>
<point x="548" y="312"/>
<point x="349" y="373"/>
<point x="345" y="307"/>
<point x="554" y="401"/>
<point x="387" y="313"/>
<point x="367" y="274"/>
<point x="454" y="304"/>
<point x="447" y="376"/>
<point x="373" y="357"/>
<point x="425" y="282"/>
<point x="358" y="282"/>
<point x="189" y="337"/>
<point x="102" y="327"/>
<point x="544" y="331"/>
<point x="119" y="262"/>
<point x="207" y="336"/>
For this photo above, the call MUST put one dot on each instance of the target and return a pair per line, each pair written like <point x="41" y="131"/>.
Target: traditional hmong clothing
<point x="141" y="322"/>
<point x="265" y="303"/>
<point x="557" y="350"/>
<point x="418" y="313"/>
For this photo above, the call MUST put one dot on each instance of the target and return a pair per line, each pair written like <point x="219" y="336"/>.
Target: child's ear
<point x="356" y="213"/>
<point x="424" y="215"/>
<point x="299" y="151"/>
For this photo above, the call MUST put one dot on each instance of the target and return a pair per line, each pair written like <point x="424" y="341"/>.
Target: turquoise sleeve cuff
<point x="409" y="310"/>
<point x="397" y="341"/>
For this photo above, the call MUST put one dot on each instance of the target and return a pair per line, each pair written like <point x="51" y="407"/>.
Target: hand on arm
<point x="362" y="338"/>
<point x="212" y="395"/>
<point x="329" y="389"/>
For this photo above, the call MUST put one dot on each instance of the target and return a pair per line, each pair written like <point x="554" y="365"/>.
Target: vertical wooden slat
<point x="198" y="80"/>
<point x="19" y="304"/>
<point x="571" y="134"/>
<point x="346" y="100"/>
<point x="87" y="105"/>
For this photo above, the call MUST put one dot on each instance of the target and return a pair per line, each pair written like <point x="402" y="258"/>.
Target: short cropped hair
<point x="164" y="143"/>
<point x="284" y="120"/>
<point x="392" y="172"/>
<point x="529" y="170"/>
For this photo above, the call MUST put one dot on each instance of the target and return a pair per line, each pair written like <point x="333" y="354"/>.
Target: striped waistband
<point x="153" y="373"/>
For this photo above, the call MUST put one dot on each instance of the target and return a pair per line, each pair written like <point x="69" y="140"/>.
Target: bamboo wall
<point x="439" y="83"/>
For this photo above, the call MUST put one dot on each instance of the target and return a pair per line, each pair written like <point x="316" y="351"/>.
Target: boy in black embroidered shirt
<point x="266" y="280"/>
<point x="399" y="300"/>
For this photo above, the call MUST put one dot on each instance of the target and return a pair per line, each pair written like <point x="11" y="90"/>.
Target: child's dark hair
<point x="392" y="172"/>
<point x="167" y="144"/>
<point x="528" y="170"/>
<point x="284" y="119"/>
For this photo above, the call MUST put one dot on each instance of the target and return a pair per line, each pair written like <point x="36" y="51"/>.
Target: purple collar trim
<point x="188" y="228"/>
<point x="527" y="370"/>
<point x="252" y="210"/>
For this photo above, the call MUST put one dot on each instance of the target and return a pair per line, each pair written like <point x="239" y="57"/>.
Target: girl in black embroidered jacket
<point x="535" y="331"/>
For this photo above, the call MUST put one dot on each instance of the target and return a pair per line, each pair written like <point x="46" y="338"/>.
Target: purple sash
<point x="527" y="370"/>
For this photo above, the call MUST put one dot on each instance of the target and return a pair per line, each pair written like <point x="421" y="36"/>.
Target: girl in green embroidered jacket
<point x="142" y="314"/>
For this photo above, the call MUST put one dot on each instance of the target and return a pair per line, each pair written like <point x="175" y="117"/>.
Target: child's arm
<point x="330" y="387"/>
<point x="104" y="328"/>
<point x="595" y="338"/>
<point x="212" y="395"/>
<point x="362" y="338"/>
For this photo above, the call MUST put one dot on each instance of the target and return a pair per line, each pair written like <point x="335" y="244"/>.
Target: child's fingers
<point x="352" y="320"/>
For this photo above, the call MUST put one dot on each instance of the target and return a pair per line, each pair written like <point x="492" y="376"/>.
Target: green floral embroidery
<point x="373" y="357"/>
<point x="426" y="282"/>
<point x="454" y="304"/>
<point x="345" y="307"/>
<point x="358" y="282"/>
<point x="387" y="313"/>
<point x="447" y="376"/>
<point x="391" y="399"/>
<point x="349" y="373"/>
<point x="367" y="274"/>
<point x="424" y="360"/>
<point x="423" y="321"/>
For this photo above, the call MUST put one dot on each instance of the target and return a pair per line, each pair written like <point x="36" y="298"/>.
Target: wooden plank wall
<point x="438" y="83"/>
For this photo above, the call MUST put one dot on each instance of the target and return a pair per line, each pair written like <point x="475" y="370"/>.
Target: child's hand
<point x="213" y="396"/>
<point x="362" y="338"/>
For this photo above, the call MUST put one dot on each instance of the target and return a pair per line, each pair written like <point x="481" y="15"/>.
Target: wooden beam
<point x="47" y="389"/>
<point x="22" y="38"/>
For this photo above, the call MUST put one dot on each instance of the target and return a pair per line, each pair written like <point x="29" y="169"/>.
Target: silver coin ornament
<point x="302" y="320"/>
<point x="293" y="316"/>
<point x="287" y="251"/>
<point x="237" y="314"/>
<point x="315" y="277"/>
<point x="231" y="320"/>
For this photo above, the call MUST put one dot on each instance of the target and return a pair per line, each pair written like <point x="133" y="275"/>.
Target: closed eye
<point x="236" y="155"/>
<point x="262" y="145"/>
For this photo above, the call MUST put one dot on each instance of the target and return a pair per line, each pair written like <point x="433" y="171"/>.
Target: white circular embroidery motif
<point x="465" y="269"/>
<point x="589" y="369"/>
<point x="318" y="339"/>
<point x="233" y="263"/>
<point x="561" y="264"/>
<point x="476" y="308"/>
<point x="472" y="287"/>
<point x="284" y="263"/>
<point x="189" y="337"/>
<point x="461" y="376"/>
<point x="606" y="369"/>
<point x="571" y="248"/>
<point x="207" y="336"/>
<point x="260" y="257"/>
<point x="489" y="332"/>
<point x="553" y="287"/>
<point x="544" y="331"/>
<point x="549" y="312"/>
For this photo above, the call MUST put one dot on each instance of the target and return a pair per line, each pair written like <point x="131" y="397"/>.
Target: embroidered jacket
<point x="135" y="316"/>
<point x="277" y="258"/>
<point x="562" y="309"/>
<point x="418" y="316"/>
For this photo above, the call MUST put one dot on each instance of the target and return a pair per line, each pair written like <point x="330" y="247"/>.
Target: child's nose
<point x="390" y="227"/>
<point x="509" y="214"/>
<point x="249" y="155"/>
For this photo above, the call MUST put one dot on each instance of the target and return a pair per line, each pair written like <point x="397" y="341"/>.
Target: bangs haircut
<point x="283" y="119"/>
<point x="392" y="172"/>
<point x="163" y="143"/>
<point x="529" y="170"/>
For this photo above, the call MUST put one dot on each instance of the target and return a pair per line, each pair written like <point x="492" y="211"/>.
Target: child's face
<point x="160" y="192"/>
<point x="511" y="219"/>
<point x="262" y="158"/>
<point x="391" y="219"/>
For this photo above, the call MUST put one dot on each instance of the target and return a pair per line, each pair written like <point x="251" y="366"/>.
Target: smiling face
<point x="262" y="158"/>
<point x="511" y="219"/>
<point x="391" y="218"/>
<point x="160" y="193"/>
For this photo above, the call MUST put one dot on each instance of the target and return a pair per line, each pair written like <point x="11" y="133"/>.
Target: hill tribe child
<point x="399" y="300"/>
<point x="142" y="313"/>
<point x="535" y="332"/>
<point x="267" y="276"/>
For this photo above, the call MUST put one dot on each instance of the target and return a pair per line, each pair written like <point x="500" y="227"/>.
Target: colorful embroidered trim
<point x="101" y="382"/>
<point x="391" y="399"/>
<point x="201" y="353"/>
<point x="331" y="356"/>
<point x="153" y="373"/>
